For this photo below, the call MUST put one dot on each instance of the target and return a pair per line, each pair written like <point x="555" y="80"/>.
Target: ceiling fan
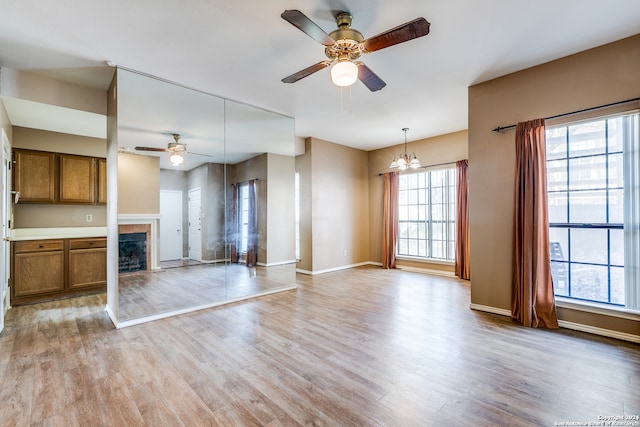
<point x="175" y="148"/>
<point x="345" y="45"/>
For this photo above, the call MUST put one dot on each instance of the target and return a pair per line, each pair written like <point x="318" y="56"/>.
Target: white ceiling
<point x="241" y="50"/>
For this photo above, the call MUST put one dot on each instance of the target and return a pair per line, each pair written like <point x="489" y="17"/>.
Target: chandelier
<point x="405" y="160"/>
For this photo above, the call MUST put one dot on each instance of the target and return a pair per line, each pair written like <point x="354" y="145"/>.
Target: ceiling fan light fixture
<point x="176" y="159"/>
<point x="344" y="73"/>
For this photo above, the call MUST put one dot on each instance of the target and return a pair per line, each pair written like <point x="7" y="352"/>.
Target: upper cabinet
<point x="34" y="176"/>
<point x="44" y="177"/>
<point x="77" y="179"/>
<point x="102" y="181"/>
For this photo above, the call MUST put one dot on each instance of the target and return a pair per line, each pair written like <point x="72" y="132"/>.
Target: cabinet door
<point x="102" y="181"/>
<point x="38" y="273"/>
<point x="77" y="179"/>
<point x="34" y="176"/>
<point x="87" y="267"/>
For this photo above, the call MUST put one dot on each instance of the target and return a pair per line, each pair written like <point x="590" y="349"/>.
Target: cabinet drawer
<point x="39" y="245"/>
<point x="87" y="243"/>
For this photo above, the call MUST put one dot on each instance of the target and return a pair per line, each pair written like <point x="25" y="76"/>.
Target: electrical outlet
<point x="89" y="217"/>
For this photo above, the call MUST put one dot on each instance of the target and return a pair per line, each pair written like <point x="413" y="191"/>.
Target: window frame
<point x="569" y="225"/>
<point x="426" y="219"/>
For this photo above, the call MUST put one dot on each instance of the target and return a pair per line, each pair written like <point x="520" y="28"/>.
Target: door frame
<point x="5" y="225"/>
<point x="180" y="193"/>
<point x="191" y="190"/>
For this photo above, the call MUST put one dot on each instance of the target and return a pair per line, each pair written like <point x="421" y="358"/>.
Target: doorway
<point x="5" y="185"/>
<point x="195" y="224"/>
<point x="170" y="225"/>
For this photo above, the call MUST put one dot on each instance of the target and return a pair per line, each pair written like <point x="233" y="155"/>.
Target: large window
<point x="585" y="184"/>
<point x="427" y="213"/>
<point x="243" y="215"/>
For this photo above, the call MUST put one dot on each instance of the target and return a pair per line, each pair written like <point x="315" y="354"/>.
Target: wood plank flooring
<point x="360" y="347"/>
<point x="144" y="294"/>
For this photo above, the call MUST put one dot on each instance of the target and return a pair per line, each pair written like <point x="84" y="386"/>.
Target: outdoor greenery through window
<point x="426" y="214"/>
<point x="586" y="193"/>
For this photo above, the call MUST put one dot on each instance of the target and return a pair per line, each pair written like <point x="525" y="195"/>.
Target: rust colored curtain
<point x="390" y="219"/>
<point x="252" y="238"/>
<point x="234" y="231"/>
<point x="463" y="268"/>
<point x="532" y="301"/>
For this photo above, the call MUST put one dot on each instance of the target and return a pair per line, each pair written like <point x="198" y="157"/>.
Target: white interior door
<point x="5" y="190"/>
<point x="195" y="224"/>
<point x="170" y="225"/>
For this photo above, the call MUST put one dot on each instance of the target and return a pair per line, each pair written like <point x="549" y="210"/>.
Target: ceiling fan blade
<point x="369" y="78"/>
<point x="306" y="72"/>
<point x="307" y="26"/>
<point x="411" y="30"/>
<point x="162" y="150"/>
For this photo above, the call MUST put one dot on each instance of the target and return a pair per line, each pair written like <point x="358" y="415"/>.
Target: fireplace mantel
<point x="152" y="220"/>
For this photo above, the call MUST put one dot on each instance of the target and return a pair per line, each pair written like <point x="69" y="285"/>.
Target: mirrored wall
<point x="205" y="199"/>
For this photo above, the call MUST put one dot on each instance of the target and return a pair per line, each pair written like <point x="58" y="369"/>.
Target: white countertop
<point x="57" y="233"/>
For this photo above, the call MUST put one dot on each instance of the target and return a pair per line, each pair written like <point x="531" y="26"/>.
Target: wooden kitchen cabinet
<point x="38" y="268"/>
<point x="49" y="269"/>
<point x="87" y="263"/>
<point x="34" y="176"/>
<point x="77" y="179"/>
<point x="46" y="177"/>
<point x="102" y="181"/>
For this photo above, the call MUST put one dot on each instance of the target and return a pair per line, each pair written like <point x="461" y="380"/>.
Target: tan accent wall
<point x="138" y="184"/>
<point x="31" y="86"/>
<point x="48" y="215"/>
<point x="281" y="220"/>
<point x="431" y="151"/>
<point x="336" y="178"/>
<point x="4" y="121"/>
<point x="595" y="77"/>
<point x="303" y="169"/>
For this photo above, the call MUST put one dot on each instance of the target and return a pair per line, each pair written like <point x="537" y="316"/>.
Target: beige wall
<point x="336" y="178"/>
<point x="431" y="151"/>
<point x="34" y="87"/>
<point x="4" y="121"/>
<point x="303" y="169"/>
<point x="281" y="233"/>
<point x="48" y="215"/>
<point x="138" y="184"/>
<point x="595" y="77"/>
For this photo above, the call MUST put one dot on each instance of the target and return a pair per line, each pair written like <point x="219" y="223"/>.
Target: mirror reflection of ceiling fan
<point x="345" y="45"/>
<point x="176" y="148"/>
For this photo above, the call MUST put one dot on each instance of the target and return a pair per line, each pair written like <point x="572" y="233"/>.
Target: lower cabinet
<point x="50" y="269"/>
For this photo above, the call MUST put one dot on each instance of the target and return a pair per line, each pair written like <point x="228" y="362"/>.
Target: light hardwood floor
<point x="361" y="347"/>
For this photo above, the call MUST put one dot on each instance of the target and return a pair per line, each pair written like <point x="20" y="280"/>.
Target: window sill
<point x="595" y="308"/>
<point x="424" y="260"/>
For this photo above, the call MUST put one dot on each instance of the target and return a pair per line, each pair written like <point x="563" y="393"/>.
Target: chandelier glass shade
<point x="405" y="160"/>
<point x="344" y="73"/>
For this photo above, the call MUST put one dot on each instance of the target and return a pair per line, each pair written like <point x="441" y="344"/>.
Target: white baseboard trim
<point x="111" y="315"/>
<point x="274" y="264"/>
<point x="567" y="325"/>
<point x="489" y="309"/>
<point x="330" y="270"/>
<point x="427" y="271"/>
<point x="599" y="331"/>
<point x="133" y="322"/>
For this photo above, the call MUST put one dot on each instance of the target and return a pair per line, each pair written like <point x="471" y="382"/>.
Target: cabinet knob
<point x="40" y="246"/>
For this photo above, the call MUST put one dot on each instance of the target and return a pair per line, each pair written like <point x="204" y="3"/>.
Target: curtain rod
<point x="503" y="128"/>
<point x="430" y="166"/>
